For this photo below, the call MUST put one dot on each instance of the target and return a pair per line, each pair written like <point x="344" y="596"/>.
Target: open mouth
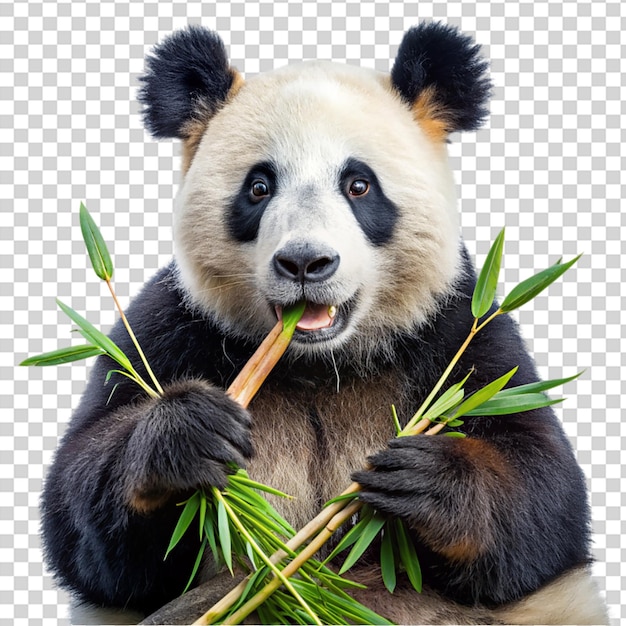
<point x="320" y="322"/>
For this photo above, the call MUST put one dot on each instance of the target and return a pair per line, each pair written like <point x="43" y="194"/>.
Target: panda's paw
<point x="452" y="492"/>
<point x="416" y="479"/>
<point x="190" y="438"/>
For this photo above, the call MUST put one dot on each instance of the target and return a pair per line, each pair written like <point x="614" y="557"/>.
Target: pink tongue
<point x="315" y="317"/>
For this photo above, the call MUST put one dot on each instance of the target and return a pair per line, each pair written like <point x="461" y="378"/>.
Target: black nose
<point x="306" y="262"/>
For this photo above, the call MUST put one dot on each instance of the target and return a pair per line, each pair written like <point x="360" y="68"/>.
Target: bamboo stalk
<point x="304" y="534"/>
<point x="320" y="539"/>
<point x="319" y="530"/>
<point x="264" y="367"/>
<point x="322" y="526"/>
<point x="279" y="574"/>
<point x="239" y="384"/>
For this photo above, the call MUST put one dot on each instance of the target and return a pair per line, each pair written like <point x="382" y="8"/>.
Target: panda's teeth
<point x="317" y="317"/>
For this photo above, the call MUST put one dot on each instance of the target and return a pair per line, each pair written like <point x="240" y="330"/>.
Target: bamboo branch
<point x="321" y="538"/>
<point x="238" y="385"/>
<point x="131" y="334"/>
<point x="279" y="575"/>
<point x="313" y="527"/>
<point x="321" y="527"/>
<point x="261" y="363"/>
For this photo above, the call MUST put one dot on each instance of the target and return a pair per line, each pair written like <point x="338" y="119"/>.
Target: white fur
<point x="571" y="599"/>
<point x="309" y="119"/>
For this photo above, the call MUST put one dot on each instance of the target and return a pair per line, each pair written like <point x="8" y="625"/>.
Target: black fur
<point x="246" y="212"/>
<point x="530" y="489"/>
<point x="131" y="448"/>
<point x="375" y="212"/>
<point x="186" y="439"/>
<point x="187" y="77"/>
<point x="439" y="490"/>
<point x="438" y="56"/>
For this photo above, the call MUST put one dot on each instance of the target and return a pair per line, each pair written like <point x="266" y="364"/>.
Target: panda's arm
<point x="505" y="507"/>
<point x="125" y="455"/>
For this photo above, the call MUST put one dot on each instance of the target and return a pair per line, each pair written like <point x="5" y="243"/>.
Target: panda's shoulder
<point x="160" y="293"/>
<point x="162" y="304"/>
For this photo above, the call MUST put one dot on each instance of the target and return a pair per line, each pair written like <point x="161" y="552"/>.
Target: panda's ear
<point x="439" y="72"/>
<point x="187" y="79"/>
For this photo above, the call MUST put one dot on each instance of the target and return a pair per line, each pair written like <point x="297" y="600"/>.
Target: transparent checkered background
<point x="548" y="166"/>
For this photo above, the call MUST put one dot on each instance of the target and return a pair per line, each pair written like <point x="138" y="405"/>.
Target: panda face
<point x="315" y="183"/>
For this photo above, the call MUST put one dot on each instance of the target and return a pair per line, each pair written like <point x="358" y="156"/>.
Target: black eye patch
<point x="374" y="211"/>
<point x="251" y="201"/>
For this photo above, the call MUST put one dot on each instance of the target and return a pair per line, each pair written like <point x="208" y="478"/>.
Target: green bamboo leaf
<point x="203" y="507"/>
<point x="186" y="517"/>
<point x="348" y="608"/>
<point x="289" y="611"/>
<point x="323" y="600"/>
<point x="351" y="536"/>
<point x="531" y="287"/>
<point x="538" y="387"/>
<point x="92" y="334"/>
<point x="341" y="497"/>
<point x="250" y="586"/>
<point x="388" y="561"/>
<point x="331" y="579"/>
<point x="447" y="400"/>
<point x="408" y="556"/>
<point x="248" y="494"/>
<point x="333" y="605"/>
<point x="396" y="421"/>
<point x="96" y="247"/>
<point x="196" y="565"/>
<point x="454" y="423"/>
<point x="482" y="395"/>
<point x="360" y="614"/>
<point x="239" y="492"/>
<point x="292" y="612"/>
<point x="120" y="372"/>
<point x="241" y="479"/>
<point x="209" y="533"/>
<point x="509" y="405"/>
<point x="112" y="392"/>
<point x="267" y="525"/>
<point x="291" y="316"/>
<point x="223" y="535"/>
<point x="64" y="355"/>
<point x="268" y="614"/>
<point x="485" y="289"/>
<point x="252" y="557"/>
<point x="367" y="535"/>
<point x="115" y="386"/>
<point x="132" y="376"/>
<point x="455" y="434"/>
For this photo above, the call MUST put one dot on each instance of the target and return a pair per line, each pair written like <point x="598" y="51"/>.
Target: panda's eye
<point x="259" y="189"/>
<point x="359" y="187"/>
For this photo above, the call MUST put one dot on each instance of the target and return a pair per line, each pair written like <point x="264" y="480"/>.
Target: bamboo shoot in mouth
<point x="261" y="363"/>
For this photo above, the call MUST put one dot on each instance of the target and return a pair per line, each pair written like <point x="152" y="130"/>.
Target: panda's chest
<point x="307" y="444"/>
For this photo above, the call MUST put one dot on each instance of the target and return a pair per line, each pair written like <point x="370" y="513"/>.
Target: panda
<point x="328" y="184"/>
